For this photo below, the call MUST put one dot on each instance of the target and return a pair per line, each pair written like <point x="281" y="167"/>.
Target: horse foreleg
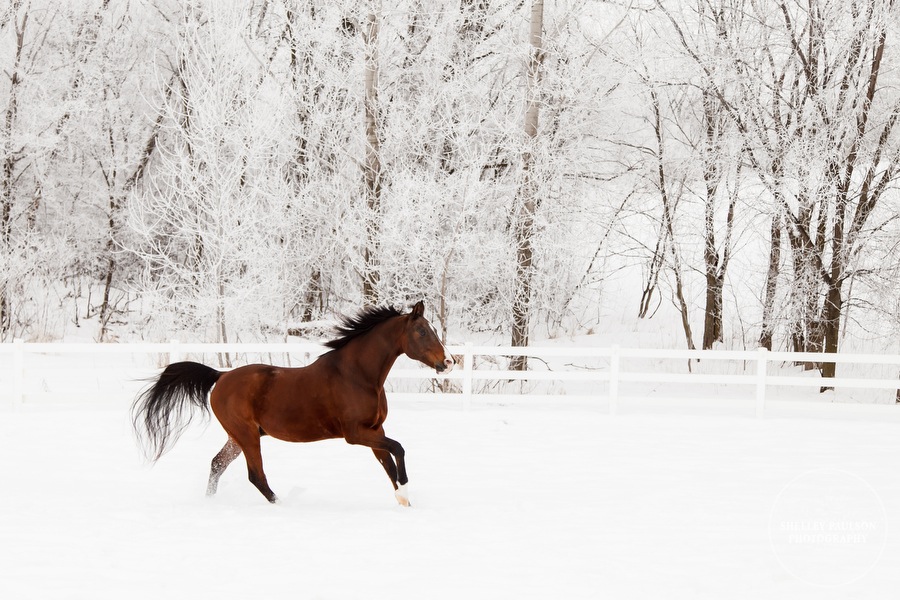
<point x="385" y="449"/>
<point x="220" y="462"/>
<point x="384" y="457"/>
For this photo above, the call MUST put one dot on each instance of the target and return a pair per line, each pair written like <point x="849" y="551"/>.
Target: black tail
<point x="163" y="411"/>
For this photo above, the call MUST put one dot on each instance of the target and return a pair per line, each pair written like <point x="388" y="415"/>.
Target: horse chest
<point x="368" y="408"/>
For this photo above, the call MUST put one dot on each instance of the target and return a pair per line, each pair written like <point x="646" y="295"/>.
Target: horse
<point x="340" y="395"/>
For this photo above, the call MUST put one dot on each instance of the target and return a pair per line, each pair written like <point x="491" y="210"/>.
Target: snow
<point x="516" y="501"/>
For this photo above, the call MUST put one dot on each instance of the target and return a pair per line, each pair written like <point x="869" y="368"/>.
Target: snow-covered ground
<point x="508" y="502"/>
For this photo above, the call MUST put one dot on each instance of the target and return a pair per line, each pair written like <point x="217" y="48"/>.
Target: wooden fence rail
<point x="604" y="378"/>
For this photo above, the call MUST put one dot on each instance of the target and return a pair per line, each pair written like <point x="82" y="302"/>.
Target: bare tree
<point x="668" y="200"/>
<point x="814" y="115"/>
<point x="716" y="259"/>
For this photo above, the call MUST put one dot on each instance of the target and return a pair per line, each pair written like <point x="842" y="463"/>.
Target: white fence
<point x="609" y="377"/>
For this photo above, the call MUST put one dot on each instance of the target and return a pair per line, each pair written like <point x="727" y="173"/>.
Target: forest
<point x="245" y="169"/>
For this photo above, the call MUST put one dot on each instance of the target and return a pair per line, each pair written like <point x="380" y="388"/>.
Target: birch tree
<point x="526" y="197"/>
<point x="372" y="169"/>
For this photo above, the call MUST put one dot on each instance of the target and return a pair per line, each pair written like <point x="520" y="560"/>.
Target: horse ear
<point x="418" y="310"/>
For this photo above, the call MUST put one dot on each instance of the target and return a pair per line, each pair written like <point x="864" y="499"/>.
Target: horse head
<point x="421" y="342"/>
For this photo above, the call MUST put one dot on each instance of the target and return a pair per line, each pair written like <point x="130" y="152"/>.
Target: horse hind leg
<point x="253" y="455"/>
<point x="220" y="462"/>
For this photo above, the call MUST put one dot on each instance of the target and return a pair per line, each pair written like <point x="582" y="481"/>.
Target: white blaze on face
<point x="449" y="363"/>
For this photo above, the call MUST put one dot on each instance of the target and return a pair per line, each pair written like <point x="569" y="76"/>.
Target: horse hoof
<point x="402" y="495"/>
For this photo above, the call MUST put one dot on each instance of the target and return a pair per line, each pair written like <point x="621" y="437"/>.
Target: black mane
<point x="365" y="320"/>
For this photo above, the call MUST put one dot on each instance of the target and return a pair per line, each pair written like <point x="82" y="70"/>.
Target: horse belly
<point x="304" y="430"/>
<point x="294" y="417"/>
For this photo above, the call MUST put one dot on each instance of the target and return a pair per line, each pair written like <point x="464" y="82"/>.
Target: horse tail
<point x="162" y="412"/>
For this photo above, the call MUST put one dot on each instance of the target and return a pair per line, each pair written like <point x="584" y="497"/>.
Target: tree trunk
<point x="716" y="269"/>
<point x="105" y="307"/>
<point x="805" y="329"/>
<point x="832" y="324"/>
<point x="526" y="201"/>
<point x="771" y="285"/>
<point x="656" y="263"/>
<point x="831" y="312"/>
<point x="715" y="266"/>
<point x="10" y="158"/>
<point x="712" y="322"/>
<point x="715" y="276"/>
<point x="372" y="164"/>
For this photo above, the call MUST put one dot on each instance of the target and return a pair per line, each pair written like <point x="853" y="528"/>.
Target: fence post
<point x="614" y="380"/>
<point x="468" y="359"/>
<point x="762" y="361"/>
<point x="18" y="375"/>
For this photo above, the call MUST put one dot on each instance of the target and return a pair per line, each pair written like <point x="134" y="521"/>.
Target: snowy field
<point x="508" y="502"/>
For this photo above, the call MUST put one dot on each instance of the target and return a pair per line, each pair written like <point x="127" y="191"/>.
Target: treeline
<point x="234" y="169"/>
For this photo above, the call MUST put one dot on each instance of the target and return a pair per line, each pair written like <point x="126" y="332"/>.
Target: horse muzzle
<point x="445" y="366"/>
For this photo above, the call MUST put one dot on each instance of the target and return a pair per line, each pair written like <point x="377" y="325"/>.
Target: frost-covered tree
<point x="211" y="215"/>
<point x="818" y="129"/>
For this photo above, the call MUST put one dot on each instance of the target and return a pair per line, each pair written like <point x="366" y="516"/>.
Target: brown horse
<point x="341" y="394"/>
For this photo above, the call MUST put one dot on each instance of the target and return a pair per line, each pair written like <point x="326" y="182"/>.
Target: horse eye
<point x="421" y="332"/>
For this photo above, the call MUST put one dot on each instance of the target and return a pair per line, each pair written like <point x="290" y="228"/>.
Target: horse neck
<point x="375" y="352"/>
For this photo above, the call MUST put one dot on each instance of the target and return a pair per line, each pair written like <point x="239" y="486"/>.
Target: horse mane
<point x="363" y="322"/>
